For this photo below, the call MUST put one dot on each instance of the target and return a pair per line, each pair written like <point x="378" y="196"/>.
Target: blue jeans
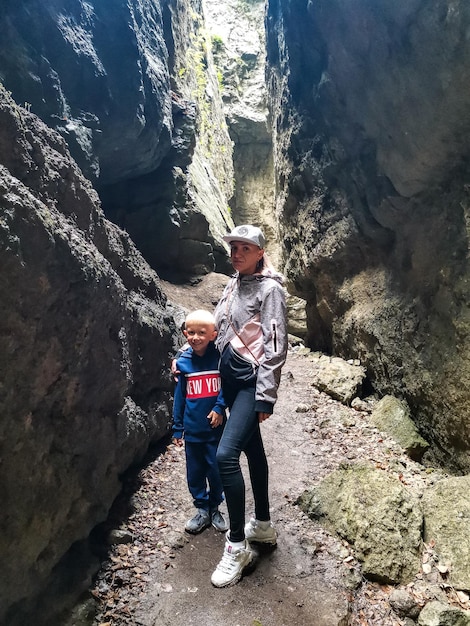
<point x="242" y="434"/>
<point x="202" y="473"/>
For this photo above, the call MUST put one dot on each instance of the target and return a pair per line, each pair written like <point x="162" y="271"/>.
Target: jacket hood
<point x="266" y="273"/>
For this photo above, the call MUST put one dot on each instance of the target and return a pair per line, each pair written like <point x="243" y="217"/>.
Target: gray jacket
<point x="251" y="315"/>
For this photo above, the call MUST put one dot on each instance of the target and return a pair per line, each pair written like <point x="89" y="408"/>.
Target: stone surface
<point x="85" y="336"/>
<point x="440" y="614"/>
<point x="238" y="44"/>
<point x="404" y="604"/>
<point x="132" y="88"/>
<point x="370" y="114"/>
<point x="341" y="380"/>
<point x="297" y="316"/>
<point x="98" y="73"/>
<point x="376" y="514"/>
<point x="392" y="415"/>
<point x="447" y="523"/>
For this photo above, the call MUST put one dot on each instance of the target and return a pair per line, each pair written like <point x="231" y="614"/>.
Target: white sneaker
<point x="233" y="562"/>
<point x="260" y="532"/>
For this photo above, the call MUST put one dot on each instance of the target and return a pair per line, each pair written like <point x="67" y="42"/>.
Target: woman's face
<point x="245" y="256"/>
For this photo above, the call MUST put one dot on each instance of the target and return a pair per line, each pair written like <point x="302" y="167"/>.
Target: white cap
<point x="248" y="234"/>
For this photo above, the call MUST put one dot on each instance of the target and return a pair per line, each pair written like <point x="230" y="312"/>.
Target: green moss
<point x="197" y="85"/>
<point x="197" y="59"/>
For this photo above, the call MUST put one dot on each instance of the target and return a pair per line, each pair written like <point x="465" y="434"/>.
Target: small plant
<point x="217" y="44"/>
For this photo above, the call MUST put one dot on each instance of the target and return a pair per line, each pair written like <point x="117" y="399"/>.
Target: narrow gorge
<point x="133" y="135"/>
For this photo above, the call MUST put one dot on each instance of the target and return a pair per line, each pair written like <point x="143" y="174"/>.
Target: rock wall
<point x="69" y="63"/>
<point x="85" y="339"/>
<point x="238" y="45"/>
<point x="86" y="331"/>
<point x="371" y="120"/>
<point x="110" y="76"/>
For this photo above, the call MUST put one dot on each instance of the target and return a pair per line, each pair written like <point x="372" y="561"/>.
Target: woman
<point x="252" y="340"/>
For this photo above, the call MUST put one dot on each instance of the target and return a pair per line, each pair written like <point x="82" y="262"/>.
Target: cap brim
<point x="230" y="238"/>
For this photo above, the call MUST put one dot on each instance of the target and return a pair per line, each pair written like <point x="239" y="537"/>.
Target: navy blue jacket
<point x="198" y="392"/>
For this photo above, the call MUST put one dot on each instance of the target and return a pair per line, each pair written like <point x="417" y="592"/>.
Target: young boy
<point x="198" y="416"/>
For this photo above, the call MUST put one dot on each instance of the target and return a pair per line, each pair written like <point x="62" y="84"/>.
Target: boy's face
<point x="199" y="335"/>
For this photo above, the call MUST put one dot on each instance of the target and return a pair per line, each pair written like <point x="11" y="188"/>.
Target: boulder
<point x="440" y="614"/>
<point x="446" y="508"/>
<point x="338" y="378"/>
<point x="376" y="514"/>
<point x="392" y="416"/>
<point x="404" y="604"/>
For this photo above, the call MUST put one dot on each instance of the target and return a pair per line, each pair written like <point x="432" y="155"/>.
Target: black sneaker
<point x="199" y="522"/>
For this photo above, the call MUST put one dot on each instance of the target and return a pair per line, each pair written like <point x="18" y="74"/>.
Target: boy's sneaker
<point x="261" y="532"/>
<point x="234" y="561"/>
<point x="199" y="522"/>
<point x="218" y="521"/>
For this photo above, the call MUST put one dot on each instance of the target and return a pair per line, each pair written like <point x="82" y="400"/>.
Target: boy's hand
<point x="263" y="416"/>
<point x="215" y="419"/>
<point x="178" y="442"/>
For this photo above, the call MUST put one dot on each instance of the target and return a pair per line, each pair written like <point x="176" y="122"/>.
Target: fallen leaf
<point x="463" y="597"/>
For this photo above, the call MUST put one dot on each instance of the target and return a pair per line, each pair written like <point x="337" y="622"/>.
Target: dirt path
<point x="162" y="577"/>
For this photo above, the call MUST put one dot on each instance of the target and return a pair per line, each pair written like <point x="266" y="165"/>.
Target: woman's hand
<point x="263" y="416"/>
<point x="179" y="443"/>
